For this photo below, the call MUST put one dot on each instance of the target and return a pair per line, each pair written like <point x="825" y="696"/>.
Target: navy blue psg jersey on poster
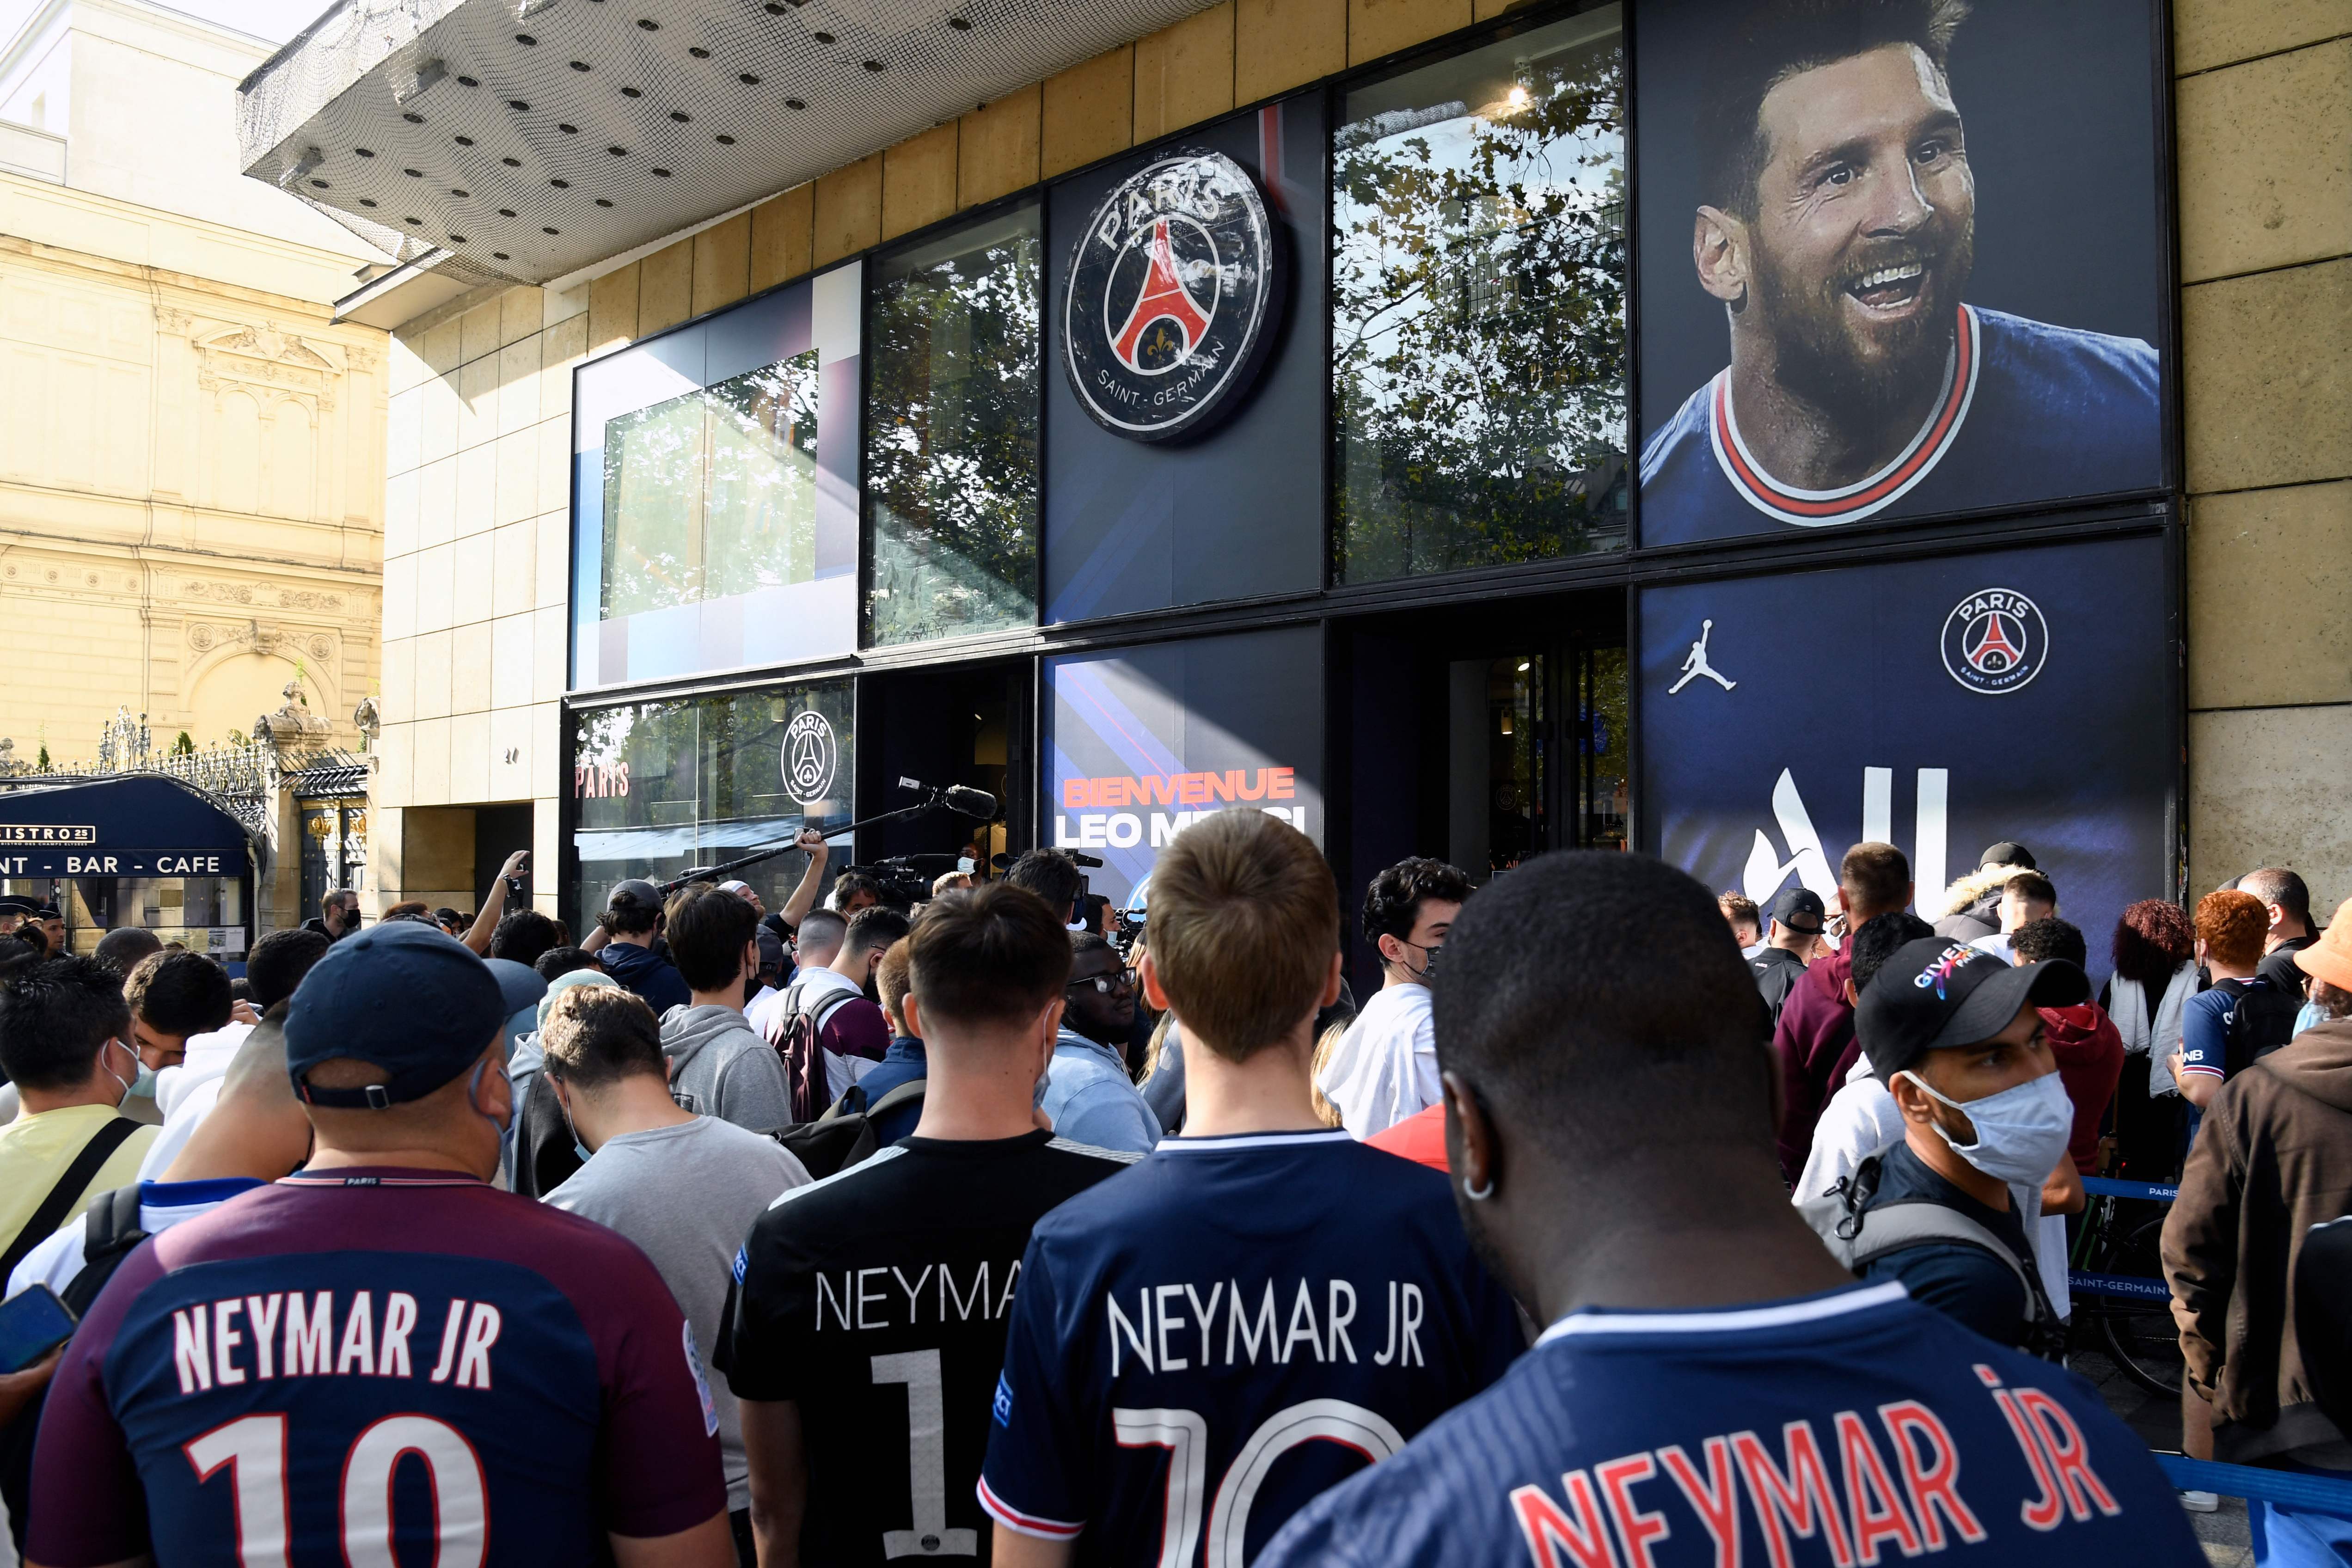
<point x="2028" y="412"/>
<point x="367" y="1367"/>
<point x="1207" y="1340"/>
<point x="1846" y="1430"/>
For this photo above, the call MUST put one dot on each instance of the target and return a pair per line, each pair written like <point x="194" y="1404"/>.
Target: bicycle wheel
<point x="2140" y="1334"/>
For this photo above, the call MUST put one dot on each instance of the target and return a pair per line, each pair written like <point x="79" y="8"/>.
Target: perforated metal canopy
<point x="532" y="138"/>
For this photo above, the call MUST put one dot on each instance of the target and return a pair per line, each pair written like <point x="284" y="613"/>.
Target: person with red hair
<point x="2153" y="952"/>
<point x="2241" y="1017"/>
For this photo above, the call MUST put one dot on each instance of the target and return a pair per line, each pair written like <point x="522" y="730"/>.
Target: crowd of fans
<point x="972" y="1229"/>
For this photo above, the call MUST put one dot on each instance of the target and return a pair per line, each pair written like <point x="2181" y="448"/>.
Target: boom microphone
<point x="1084" y="860"/>
<point x="977" y="803"/>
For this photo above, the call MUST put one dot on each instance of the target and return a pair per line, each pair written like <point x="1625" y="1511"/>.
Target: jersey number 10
<point x="1185" y="1434"/>
<point x="253" y="1448"/>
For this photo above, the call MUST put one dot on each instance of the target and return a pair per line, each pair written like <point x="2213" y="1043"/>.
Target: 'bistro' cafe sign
<point x="51" y="850"/>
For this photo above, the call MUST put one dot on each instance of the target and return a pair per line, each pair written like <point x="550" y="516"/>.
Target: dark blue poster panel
<point x="1941" y="706"/>
<point x="1896" y="261"/>
<point x="1134" y="525"/>
<point x="1141" y="742"/>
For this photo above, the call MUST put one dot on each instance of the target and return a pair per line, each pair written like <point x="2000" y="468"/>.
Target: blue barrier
<point x="2130" y="1285"/>
<point x="2292" y="1487"/>
<point x="2108" y="1187"/>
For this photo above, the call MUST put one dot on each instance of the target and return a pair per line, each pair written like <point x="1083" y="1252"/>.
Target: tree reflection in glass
<point x="951" y="435"/>
<point x="713" y="493"/>
<point x="1478" y="298"/>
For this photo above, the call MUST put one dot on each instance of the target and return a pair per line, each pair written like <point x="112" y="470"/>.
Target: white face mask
<point x="2021" y="1132"/>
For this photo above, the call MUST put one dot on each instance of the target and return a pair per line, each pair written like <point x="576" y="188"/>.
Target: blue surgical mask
<point x="143" y="1086"/>
<point x="2021" y="1132"/>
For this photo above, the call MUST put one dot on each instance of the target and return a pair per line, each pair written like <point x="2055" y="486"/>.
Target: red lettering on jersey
<point x="2044" y="1512"/>
<point x="1635" y="1528"/>
<point x="1870" y="1493"/>
<point x="1715" y="1500"/>
<point x="2070" y="1457"/>
<point x="1798" y="1499"/>
<point x="1931" y="1480"/>
<point x="1549" y="1529"/>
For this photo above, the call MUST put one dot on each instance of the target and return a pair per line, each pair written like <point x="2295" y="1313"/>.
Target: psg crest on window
<point x="809" y="755"/>
<point x="1173" y="292"/>
<point x="1995" y="641"/>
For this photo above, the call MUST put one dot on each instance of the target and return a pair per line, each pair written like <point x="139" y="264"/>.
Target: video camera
<point x="905" y="879"/>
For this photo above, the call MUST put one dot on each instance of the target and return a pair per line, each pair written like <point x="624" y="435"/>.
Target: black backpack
<point x="844" y="1135"/>
<point x="2261" y="1019"/>
<point x="110" y="1229"/>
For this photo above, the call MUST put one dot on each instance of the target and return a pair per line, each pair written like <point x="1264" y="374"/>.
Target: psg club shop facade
<point x="1613" y="426"/>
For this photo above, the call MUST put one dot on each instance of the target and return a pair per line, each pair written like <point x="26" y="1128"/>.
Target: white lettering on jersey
<point x="228" y="1342"/>
<point x="857" y="1300"/>
<point x="481" y="1333"/>
<point x="1170" y="1321"/>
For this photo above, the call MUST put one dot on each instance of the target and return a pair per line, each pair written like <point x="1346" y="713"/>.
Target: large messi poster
<point x="1900" y="259"/>
<point x="1942" y="706"/>
<point x="1140" y="741"/>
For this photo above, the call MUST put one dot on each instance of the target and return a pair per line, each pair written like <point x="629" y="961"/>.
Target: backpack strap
<point x="906" y="1093"/>
<point x="70" y="1186"/>
<point x="109" y="1231"/>
<point x="1896" y="1227"/>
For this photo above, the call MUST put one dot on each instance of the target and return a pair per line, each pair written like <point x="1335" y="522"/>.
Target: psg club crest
<point x="1995" y="641"/>
<point x="1173" y="296"/>
<point x="809" y="757"/>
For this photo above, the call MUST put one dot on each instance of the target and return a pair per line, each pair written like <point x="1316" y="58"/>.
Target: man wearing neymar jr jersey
<point x="867" y="1324"/>
<point x="1712" y="1387"/>
<point x="1257" y="1309"/>
<point x="383" y="1358"/>
<point x="1836" y="224"/>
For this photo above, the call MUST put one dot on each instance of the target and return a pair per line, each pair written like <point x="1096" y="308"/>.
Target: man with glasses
<point x="1088" y="1093"/>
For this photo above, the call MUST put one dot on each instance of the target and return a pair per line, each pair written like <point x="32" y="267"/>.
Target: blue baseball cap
<point x="402" y="995"/>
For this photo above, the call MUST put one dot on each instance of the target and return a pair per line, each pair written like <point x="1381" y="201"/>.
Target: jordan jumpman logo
<point x="1695" y="664"/>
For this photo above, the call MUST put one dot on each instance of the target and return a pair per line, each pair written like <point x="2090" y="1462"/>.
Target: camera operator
<point x="1054" y="877"/>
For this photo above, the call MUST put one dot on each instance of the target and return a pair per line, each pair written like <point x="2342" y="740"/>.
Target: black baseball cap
<point x="10" y="904"/>
<point x="1801" y="909"/>
<point x="2008" y="854"/>
<point x="637" y="889"/>
<point x="402" y="995"/>
<point x="1937" y="995"/>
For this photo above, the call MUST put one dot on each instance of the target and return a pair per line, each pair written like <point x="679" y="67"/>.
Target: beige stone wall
<point x="2264" y="105"/>
<point x="190" y="483"/>
<point x="477" y="551"/>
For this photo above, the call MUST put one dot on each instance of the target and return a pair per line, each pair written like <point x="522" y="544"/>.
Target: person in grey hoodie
<point x="719" y="1066"/>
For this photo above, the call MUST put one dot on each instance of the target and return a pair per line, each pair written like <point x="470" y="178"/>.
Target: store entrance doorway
<point x="966" y="725"/>
<point x="1482" y="736"/>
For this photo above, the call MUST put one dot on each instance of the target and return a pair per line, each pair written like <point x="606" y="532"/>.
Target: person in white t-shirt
<point x="1385" y="1067"/>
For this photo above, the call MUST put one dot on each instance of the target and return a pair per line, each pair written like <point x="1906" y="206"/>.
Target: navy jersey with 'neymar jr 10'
<point x="372" y="1367"/>
<point x="1857" y="1429"/>
<point x="1205" y="1341"/>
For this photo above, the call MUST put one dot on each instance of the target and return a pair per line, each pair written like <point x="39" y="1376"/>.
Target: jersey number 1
<point x="927" y="1459"/>
<point x="253" y="1448"/>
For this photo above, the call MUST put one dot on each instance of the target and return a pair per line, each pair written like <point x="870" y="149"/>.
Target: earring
<point x="1479" y="1194"/>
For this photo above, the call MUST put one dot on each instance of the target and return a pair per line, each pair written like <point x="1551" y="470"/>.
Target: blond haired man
<point x="1260" y="1288"/>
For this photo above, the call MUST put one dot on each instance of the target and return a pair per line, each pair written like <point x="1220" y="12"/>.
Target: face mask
<point x="2020" y="1132"/>
<point x="577" y="1147"/>
<point x="1428" y="961"/>
<point x="964" y="864"/>
<point x="474" y="1099"/>
<point x="127" y="1087"/>
<point x="143" y="1086"/>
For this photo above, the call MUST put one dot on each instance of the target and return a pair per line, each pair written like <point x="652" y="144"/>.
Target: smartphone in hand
<point x="33" y="1322"/>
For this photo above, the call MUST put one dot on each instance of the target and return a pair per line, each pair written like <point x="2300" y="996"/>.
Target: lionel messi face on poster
<point x="1835" y="237"/>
